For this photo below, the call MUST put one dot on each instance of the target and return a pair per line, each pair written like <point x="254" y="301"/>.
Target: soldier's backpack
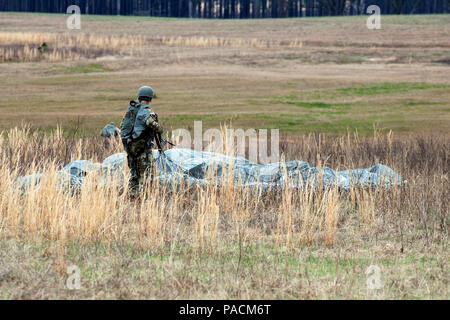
<point x="127" y="127"/>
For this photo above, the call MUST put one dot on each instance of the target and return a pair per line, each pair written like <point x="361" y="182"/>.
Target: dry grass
<point x="210" y="219"/>
<point x="66" y="47"/>
<point x="28" y="46"/>
<point x="162" y="216"/>
<point x="282" y="73"/>
<point x="341" y="40"/>
<point x="215" y="42"/>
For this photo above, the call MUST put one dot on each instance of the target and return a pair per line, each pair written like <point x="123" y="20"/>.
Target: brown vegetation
<point x="205" y="216"/>
<point x="216" y="234"/>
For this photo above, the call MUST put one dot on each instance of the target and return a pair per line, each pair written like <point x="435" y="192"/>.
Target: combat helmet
<point x="145" y="93"/>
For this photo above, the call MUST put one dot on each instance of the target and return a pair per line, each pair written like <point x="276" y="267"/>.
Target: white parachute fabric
<point x="205" y="167"/>
<point x="200" y="167"/>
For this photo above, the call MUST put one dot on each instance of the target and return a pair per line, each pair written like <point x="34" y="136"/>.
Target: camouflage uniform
<point x="140" y="127"/>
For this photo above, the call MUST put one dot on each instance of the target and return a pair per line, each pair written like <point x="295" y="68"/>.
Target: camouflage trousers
<point x="141" y="164"/>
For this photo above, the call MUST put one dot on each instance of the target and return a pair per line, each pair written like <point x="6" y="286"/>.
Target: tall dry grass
<point x="28" y="46"/>
<point x="215" y="42"/>
<point x="209" y="216"/>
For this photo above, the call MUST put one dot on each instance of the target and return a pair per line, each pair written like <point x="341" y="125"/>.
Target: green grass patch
<point x="297" y="100"/>
<point x="388" y="88"/>
<point x="361" y="90"/>
<point x="293" y="99"/>
<point x="351" y="58"/>
<point x="189" y="117"/>
<point x="88" y="68"/>
<point x="310" y="105"/>
<point x="423" y="103"/>
<point x="312" y="124"/>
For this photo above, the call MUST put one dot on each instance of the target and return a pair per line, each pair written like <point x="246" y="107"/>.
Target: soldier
<point x="110" y="130"/>
<point x="139" y="128"/>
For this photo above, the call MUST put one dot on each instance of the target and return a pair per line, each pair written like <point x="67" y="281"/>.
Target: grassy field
<point x="205" y="242"/>
<point x="299" y="75"/>
<point x="316" y="79"/>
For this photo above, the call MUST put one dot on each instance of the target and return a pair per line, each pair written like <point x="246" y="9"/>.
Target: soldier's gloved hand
<point x="154" y="125"/>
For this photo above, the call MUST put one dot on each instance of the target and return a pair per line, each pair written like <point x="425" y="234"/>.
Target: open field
<point x="322" y="75"/>
<point x="205" y="242"/>
<point x="299" y="75"/>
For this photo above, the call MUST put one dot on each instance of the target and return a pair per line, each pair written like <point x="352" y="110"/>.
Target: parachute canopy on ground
<point x="200" y="168"/>
<point x="110" y="130"/>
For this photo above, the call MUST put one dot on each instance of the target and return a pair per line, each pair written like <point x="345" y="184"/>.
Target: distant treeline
<point x="229" y="8"/>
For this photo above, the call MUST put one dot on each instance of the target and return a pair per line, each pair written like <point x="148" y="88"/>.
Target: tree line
<point x="229" y="9"/>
